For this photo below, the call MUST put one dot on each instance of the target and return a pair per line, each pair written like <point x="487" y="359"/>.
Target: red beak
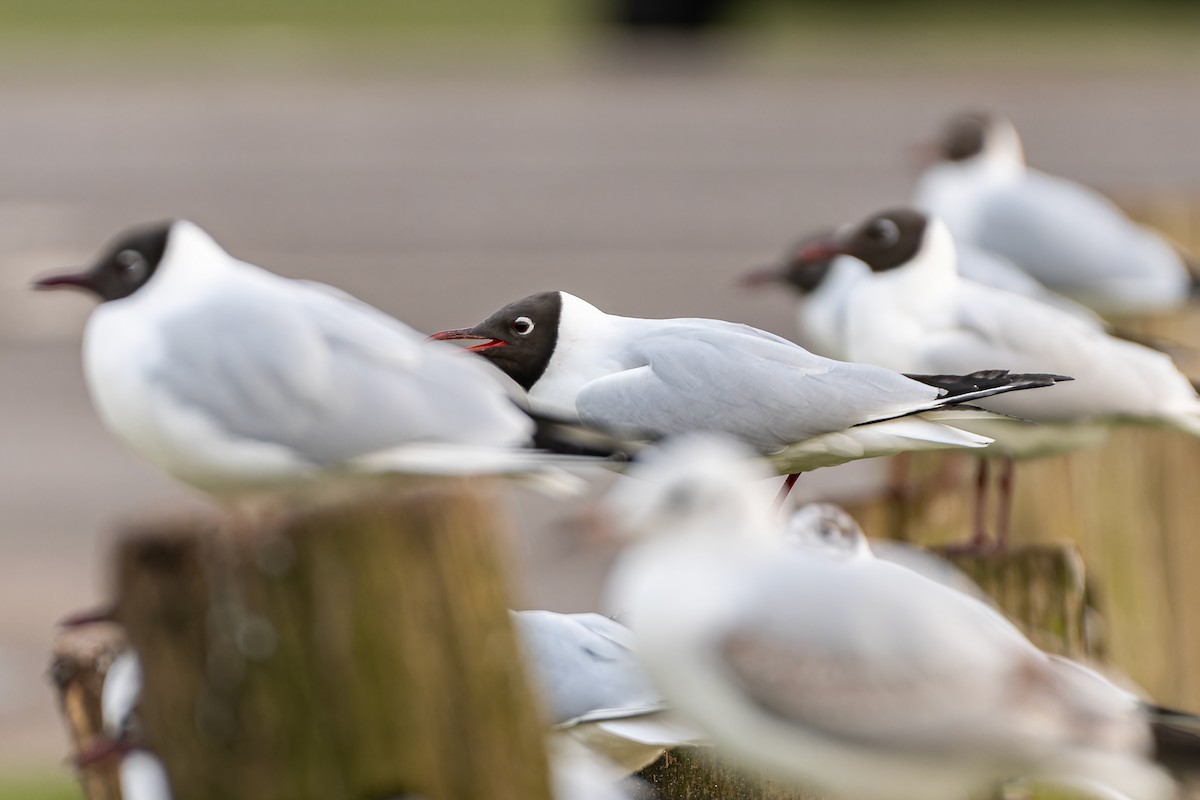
<point x="70" y="280"/>
<point x="819" y="251"/>
<point x="761" y="276"/>
<point x="468" y="333"/>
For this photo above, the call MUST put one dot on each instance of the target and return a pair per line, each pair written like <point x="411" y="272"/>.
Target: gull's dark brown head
<point x="965" y="136"/>
<point x="519" y="338"/>
<point x="886" y="240"/>
<point x="126" y="264"/>
<point x="803" y="267"/>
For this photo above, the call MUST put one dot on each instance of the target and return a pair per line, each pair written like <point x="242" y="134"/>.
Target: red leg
<point x="785" y="490"/>
<point x="1004" y="503"/>
<point x="979" y="532"/>
<point x="89" y="617"/>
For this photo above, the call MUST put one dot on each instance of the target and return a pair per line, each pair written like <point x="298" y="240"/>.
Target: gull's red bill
<point x="468" y="333"/>
<point x="66" y="280"/>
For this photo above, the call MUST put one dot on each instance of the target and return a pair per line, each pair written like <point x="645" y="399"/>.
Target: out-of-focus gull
<point x="839" y="671"/>
<point x="1068" y="236"/>
<point x="229" y="377"/>
<point x="891" y="296"/>
<point x="804" y="269"/>
<point x="585" y="670"/>
<point x="659" y="377"/>
<point x="142" y="775"/>
<point x="817" y="525"/>
<point x="584" y="776"/>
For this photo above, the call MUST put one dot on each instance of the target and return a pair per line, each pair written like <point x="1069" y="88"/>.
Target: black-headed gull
<point x="1068" y="236"/>
<point x="981" y="266"/>
<point x="227" y="376"/>
<point x="585" y="670"/>
<point x="653" y="378"/>
<point x="832" y="669"/>
<point x="887" y="292"/>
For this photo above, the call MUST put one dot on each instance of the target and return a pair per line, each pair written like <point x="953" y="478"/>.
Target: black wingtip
<point x="989" y="381"/>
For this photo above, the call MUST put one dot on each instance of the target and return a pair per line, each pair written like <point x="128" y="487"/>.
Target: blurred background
<point x="440" y="159"/>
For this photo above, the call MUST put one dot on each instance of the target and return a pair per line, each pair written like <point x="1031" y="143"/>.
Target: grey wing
<point x="767" y="391"/>
<point x="1112" y="377"/>
<point x="874" y="654"/>
<point x="327" y="376"/>
<point x="583" y="666"/>
<point x="1071" y="238"/>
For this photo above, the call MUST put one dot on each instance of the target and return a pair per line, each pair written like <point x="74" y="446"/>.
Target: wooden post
<point x="697" y="774"/>
<point x="351" y="646"/>
<point x="80" y="660"/>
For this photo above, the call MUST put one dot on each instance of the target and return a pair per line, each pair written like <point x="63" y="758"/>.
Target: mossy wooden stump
<point x="353" y="646"/>
<point x="1041" y="587"/>
<point x="78" y="665"/>
<point x="697" y="774"/>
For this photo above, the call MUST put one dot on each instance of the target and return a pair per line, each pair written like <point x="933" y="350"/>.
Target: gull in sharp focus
<point x="229" y="377"/>
<point x="585" y="670"/>
<point x="887" y="292"/>
<point x="1068" y="236"/>
<point x="834" y="670"/>
<point x="651" y="378"/>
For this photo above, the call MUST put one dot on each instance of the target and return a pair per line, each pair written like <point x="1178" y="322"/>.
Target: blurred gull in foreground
<point x="823" y="666"/>
<point x="585" y="670"/>
<point x="659" y="377"/>
<point x="891" y="296"/>
<point x="230" y="377"/>
<point x="1068" y="236"/>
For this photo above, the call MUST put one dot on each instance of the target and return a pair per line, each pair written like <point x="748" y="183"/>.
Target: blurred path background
<point x="444" y="170"/>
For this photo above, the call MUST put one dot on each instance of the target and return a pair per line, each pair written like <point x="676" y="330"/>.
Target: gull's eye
<point x="883" y="232"/>
<point x="522" y="326"/>
<point x="132" y="265"/>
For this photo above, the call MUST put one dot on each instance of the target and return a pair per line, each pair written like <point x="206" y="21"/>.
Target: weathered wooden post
<point x="351" y="645"/>
<point x="690" y="774"/>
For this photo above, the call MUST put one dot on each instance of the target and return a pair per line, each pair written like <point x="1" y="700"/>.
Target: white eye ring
<point x="885" y="231"/>
<point x="522" y="326"/>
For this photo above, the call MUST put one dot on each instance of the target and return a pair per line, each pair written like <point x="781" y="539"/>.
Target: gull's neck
<point x="581" y="355"/>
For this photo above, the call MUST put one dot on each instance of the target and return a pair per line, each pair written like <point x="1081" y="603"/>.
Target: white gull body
<point x="585" y="670"/>
<point x="141" y="773"/>
<point x="228" y="376"/>
<point x="923" y="317"/>
<point x="1066" y="235"/>
<point x="844" y="673"/>
<point x="675" y="376"/>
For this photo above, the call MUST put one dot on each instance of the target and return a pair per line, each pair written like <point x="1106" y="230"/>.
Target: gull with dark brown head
<point x="1066" y="235"/>
<point x="229" y="377"/>
<point x="887" y="292"/>
<point x="653" y="378"/>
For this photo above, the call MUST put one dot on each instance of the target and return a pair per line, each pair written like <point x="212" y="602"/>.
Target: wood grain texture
<point x="351" y="645"/>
